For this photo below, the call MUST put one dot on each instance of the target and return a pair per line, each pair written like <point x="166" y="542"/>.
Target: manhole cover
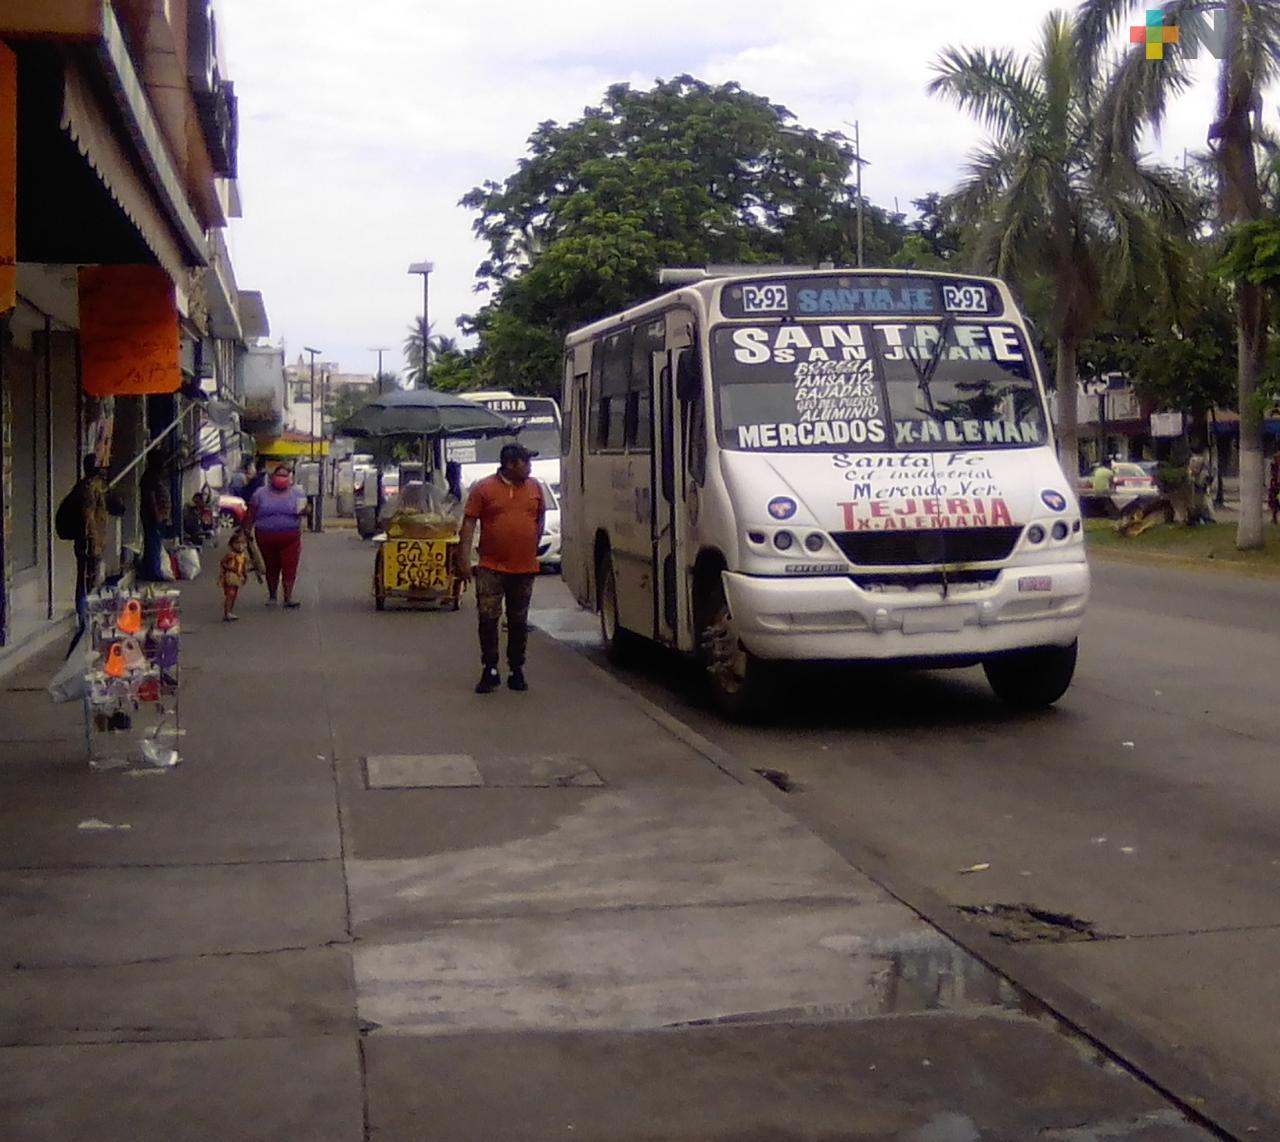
<point x="462" y="770"/>
<point x="422" y="771"/>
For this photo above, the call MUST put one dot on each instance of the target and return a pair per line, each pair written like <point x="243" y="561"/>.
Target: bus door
<point x="667" y="479"/>
<point x="576" y="553"/>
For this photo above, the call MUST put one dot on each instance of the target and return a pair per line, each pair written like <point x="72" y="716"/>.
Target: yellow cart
<point x="416" y="570"/>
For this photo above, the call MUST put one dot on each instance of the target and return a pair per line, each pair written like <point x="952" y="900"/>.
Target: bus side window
<point x="615" y="380"/>
<point x="597" y="404"/>
<point x="695" y="414"/>
<point x="648" y="340"/>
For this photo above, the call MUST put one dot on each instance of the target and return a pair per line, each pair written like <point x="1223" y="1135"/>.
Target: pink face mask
<point x="280" y="483"/>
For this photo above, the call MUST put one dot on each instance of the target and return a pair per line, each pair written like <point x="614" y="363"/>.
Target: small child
<point x="233" y="573"/>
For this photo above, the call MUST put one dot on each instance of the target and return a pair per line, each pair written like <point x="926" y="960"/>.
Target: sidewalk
<point x="372" y="904"/>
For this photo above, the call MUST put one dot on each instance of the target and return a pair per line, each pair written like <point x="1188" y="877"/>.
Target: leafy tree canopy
<point x="683" y="174"/>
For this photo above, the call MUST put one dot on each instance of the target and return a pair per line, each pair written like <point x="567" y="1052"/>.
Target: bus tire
<point x="619" y="643"/>
<point x="735" y="678"/>
<point x="1032" y="679"/>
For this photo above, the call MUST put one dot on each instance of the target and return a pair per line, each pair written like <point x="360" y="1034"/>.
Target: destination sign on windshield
<point x="863" y="295"/>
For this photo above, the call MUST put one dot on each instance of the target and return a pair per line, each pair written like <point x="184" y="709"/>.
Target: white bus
<point x="827" y="466"/>
<point x="539" y="418"/>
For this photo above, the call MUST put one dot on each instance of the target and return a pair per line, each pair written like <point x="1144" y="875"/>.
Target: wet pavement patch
<point x="461" y="771"/>
<point x="1027" y="924"/>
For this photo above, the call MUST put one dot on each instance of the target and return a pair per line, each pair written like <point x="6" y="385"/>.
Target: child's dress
<point x="233" y="571"/>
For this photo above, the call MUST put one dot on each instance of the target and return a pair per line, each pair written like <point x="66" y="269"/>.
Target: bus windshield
<point x="875" y="385"/>
<point x="540" y="431"/>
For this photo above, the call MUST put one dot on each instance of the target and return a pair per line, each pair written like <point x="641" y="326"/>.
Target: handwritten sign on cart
<point x="416" y="565"/>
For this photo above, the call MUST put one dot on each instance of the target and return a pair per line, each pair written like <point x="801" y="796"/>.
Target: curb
<point x="1228" y="1112"/>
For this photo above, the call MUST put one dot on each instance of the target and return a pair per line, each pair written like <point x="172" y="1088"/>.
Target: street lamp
<point x="377" y="380"/>
<point x="424" y="268"/>
<point x="314" y="353"/>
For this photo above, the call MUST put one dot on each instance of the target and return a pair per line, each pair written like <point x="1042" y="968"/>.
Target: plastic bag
<point x="188" y="563"/>
<point x="168" y="568"/>
<point x="68" y="684"/>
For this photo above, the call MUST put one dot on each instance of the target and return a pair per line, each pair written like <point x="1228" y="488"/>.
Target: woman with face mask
<point x="275" y="516"/>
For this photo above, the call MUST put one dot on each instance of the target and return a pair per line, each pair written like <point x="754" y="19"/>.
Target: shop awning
<point x="299" y="448"/>
<point x="85" y="125"/>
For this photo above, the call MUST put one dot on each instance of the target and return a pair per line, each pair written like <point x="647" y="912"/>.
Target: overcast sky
<point x="362" y="125"/>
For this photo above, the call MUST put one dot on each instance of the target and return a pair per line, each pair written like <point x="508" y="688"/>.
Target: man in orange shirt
<point x="510" y="510"/>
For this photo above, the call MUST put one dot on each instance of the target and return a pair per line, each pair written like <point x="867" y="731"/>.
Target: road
<point x="1146" y="806"/>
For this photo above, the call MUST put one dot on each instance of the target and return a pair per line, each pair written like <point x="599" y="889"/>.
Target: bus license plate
<point x="935" y="620"/>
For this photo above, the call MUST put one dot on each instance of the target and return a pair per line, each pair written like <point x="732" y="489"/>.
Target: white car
<point x="549" y="544"/>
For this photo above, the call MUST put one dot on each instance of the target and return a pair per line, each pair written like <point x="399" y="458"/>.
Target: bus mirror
<point x="689" y="376"/>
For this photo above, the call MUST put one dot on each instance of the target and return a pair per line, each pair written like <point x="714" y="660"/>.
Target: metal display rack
<point x="131" y="708"/>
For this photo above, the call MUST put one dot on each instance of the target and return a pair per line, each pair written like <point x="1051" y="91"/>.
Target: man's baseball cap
<point x="512" y="452"/>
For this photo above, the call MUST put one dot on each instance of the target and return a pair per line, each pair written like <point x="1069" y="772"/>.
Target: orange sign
<point x="8" y="179"/>
<point x="128" y="331"/>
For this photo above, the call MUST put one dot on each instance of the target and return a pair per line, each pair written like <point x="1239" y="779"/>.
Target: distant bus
<point x="823" y="465"/>
<point x="540" y="432"/>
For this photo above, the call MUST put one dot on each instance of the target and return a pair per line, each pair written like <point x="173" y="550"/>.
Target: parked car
<point x="1129" y="479"/>
<point x="549" y="544"/>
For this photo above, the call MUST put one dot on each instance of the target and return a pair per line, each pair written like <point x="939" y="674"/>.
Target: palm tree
<point x="436" y="345"/>
<point x="1138" y="96"/>
<point x="1047" y="217"/>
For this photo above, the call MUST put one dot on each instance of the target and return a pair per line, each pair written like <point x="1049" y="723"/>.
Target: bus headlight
<point x="783" y="540"/>
<point x="1035" y="534"/>
<point x="1061" y="530"/>
<point x="814" y="542"/>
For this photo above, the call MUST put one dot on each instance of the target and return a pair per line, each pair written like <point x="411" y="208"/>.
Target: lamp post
<point x="377" y="380"/>
<point x="424" y="268"/>
<point x="312" y="446"/>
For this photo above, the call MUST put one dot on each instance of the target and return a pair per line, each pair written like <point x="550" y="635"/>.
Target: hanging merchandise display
<point x="131" y="682"/>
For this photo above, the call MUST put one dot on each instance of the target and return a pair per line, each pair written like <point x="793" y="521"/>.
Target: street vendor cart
<point x="418" y="570"/>
<point x="414" y="556"/>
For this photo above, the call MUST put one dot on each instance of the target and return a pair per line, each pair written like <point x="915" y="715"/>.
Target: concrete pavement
<point x="372" y="904"/>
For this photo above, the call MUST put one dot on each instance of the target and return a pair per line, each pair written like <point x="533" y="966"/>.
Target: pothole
<point x="1028" y="924"/>
<point x="779" y="778"/>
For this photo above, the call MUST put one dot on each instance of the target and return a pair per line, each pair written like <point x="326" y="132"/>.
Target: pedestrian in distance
<point x="82" y="518"/>
<point x="1103" y="479"/>
<point x="156" y="511"/>
<point x="238" y="485"/>
<point x="275" y="519"/>
<point x="256" y="480"/>
<point x="233" y="573"/>
<point x="510" y="510"/>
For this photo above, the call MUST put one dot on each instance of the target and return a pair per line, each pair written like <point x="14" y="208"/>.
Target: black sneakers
<point x="516" y="681"/>
<point x="490" y="680"/>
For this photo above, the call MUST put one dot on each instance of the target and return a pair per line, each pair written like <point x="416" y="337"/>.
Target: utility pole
<point x="312" y="447"/>
<point x="424" y="268"/>
<point x="859" y="163"/>
<point x="857" y="151"/>
<point x="377" y="380"/>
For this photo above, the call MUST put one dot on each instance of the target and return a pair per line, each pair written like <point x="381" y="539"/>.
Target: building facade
<point x="122" y="328"/>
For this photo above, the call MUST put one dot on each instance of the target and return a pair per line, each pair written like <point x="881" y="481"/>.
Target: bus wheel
<point x="735" y="676"/>
<point x="1032" y="679"/>
<point x="619" y="643"/>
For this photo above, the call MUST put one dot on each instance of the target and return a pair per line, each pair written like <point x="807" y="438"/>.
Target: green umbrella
<point x="425" y="413"/>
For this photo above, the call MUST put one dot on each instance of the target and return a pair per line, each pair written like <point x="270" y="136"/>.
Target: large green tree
<point x="1247" y="38"/>
<point x="686" y="173"/>
<point x="1048" y="216"/>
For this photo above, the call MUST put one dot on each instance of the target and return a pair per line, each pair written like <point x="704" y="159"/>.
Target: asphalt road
<point x="1147" y="804"/>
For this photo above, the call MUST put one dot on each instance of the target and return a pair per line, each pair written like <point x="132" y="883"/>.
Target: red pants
<point x="281" y="551"/>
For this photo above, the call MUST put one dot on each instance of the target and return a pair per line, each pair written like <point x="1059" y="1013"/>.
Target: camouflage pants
<point x="492" y="588"/>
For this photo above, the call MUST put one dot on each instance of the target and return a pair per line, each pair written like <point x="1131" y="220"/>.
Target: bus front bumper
<point x="833" y="618"/>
